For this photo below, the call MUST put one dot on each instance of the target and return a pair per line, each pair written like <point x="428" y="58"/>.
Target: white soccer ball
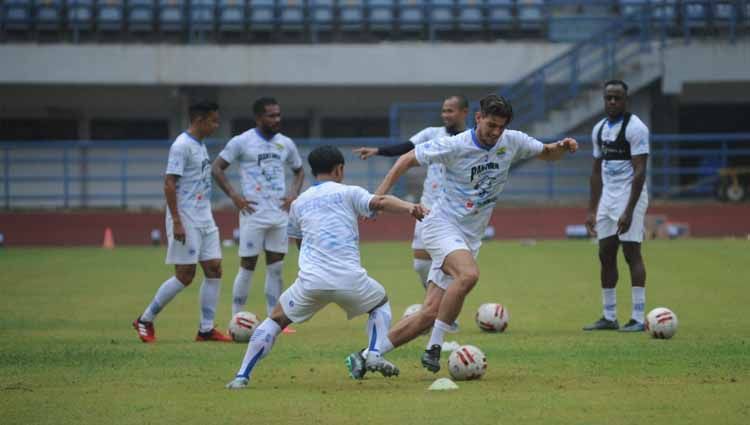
<point x="661" y="323"/>
<point x="242" y="326"/>
<point x="412" y="309"/>
<point x="492" y="317"/>
<point x="467" y="363"/>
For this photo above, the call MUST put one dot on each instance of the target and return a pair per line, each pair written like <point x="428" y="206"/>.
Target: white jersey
<point x="617" y="175"/>
<point x="433" y="182"/>
<point x="325" y="218"/>
<point x="474" y="176"/>
<point x="262" y="163"/>
<point x="188" y="158"/>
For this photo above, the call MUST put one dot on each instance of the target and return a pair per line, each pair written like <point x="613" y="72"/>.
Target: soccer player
<point x="476" y="163"/>
<point x="191" y="232"/>
<point x="323" y="220"/>
<point x="454" y="112"/>
<point x="263" y="154"/>
<point x="618" y="203"/>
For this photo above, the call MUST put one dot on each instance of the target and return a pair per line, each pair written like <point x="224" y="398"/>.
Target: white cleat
<point x="238" y="383"/>
<point x="376" y="363"/>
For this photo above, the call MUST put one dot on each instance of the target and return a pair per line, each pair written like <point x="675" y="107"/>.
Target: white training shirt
<point x="188" y="158"/>
<point x="433" y="182"/>
<point x="262" y="164"/>
<point x="617" y="176"/>
<point x="325" y="218"/>
<point x="474" y="176"/>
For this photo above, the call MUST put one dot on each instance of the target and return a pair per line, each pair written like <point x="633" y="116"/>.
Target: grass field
<point x="69" y="356"/>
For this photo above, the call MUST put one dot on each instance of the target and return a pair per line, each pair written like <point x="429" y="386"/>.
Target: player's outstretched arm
<point x="390" y="150"/>
<point x="595" y="183"/>
<point x="402" y="165"/>
<point x="555" y="151"/>
<point x="170" y="193"/>
<point x="394" y="205"/>
<point x="217" y="171"/>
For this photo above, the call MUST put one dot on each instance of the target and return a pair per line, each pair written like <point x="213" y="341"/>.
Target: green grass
<point x="69" y="356"/>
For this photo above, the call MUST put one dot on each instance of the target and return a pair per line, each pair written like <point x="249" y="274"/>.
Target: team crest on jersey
<point x="501" y="151"/>
<point x="279" y="146"/>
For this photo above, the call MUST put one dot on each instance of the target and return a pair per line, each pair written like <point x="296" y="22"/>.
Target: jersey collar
<point x="260" y="134"/>
<point x="615" y="122"/>
<point x="190" y="136"/>
<point x="477" y="143"/>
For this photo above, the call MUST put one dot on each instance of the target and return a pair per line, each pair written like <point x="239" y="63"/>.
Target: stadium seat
<point x="441" y="14"/>
<point x="171" y="15"/>
<point x="695" y="13"/>
<point x="17" y="14"/>
<point x="292" y="14"/>
<point x="231" y="15"/>
<point x="629" y="7"/>
<point x="411" y="15"/>
<point x="725" y="12"/>
<point x="81" y="14"/>
<point x="470" y="17"/>
<point x="321" y="14"/>
<point x="262" y="15"/>
<point x="531" y="14"/>
<point x="351" y="15"/>
<point x="381" y="14"/>
<point x="202" y="15"/>
<point x="140" y="15"/>
<point x="49" y="15"/>
<point x="664" y="11"/>
<point x="109" y="15"/>
<point x="500" y="14"/>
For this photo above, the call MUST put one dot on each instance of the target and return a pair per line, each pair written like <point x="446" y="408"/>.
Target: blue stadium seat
<point x="202" y="15"/>
<point x="231" y="15"/>
<point x="81" y="14"/>
<point x="382" y="14"/>
<point x="411" y="15"/>
<point x="351" y="15"/>
<point x="171" y="15"/>
<point x="724" y="12"/>
<point x="500" y="14"/>
<point x="109" y="15"/>
<point x="262" y="15"/>
<point x="49" y="15"/>
<point x="17" y="14"/>
<point x="141" y="15"/>
<point x="664" y="11"/>
<point x="470" y="17"/>
<point x="441" y="14"/>
<point x="321" y="14"/>
<point x="531" y="14"/>
<point x="629" y="7"/>
<point x="695" y="13"/>
<point x="292" y="15"/>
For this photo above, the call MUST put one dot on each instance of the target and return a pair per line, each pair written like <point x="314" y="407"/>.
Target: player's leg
<point x="412" y="326"/>
<point x="608" y="247"/>
<point x="422" y="261"/>
<point x="633" y="257"/>
<point x="251" y="243"/>
<point x="274" y="281"/>
<point x="210" y="260"/>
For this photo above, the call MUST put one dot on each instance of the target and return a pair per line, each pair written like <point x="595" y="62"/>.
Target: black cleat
<point x="603" y="325"/>
<point x="431" y="358"/>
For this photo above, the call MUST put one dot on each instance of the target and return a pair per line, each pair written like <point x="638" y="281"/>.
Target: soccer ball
<point x="661" y="323"/>
<point x="492" y="317"/>
<point x="242" y="326"/>
<point x="412" y="309"/>
<point x="467" y="363"/>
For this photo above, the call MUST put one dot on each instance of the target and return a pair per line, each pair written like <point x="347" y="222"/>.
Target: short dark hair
<point x="497" y="106"/>
<point x="324" y="159"/>
<point x="259" y="106"/>
<point x="463" y="102"/>
<point x="616" y="83"/>
<point x="201" y="109"/>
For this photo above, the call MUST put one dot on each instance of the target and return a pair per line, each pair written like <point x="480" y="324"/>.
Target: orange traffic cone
<point x="109" y="240"/>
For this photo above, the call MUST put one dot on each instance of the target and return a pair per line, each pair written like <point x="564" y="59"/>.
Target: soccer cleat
<point x="238" y="383"/>
<point x="145" y="330"/>
<point x="633" y="326"/>
<point x="603" y="325"/>
<point x="454" y="327"/>
<point x="431" y="358"/>
<point x="376" y="363"/>
<point x="289" y="330"/>
<point x="355" y="363"/>
<point x="212" y="335"/>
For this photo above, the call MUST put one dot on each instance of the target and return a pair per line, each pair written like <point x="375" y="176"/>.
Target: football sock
<point x="166" y="292"/>
<point x="259" y="346"/>
<point x="241" y="289"/>
<point x="273" y="285"/>
<point x="377" y="328"/>
<point x="422" y="267"/>
<point x="639" y="303"/>
<point x="438" y="331"/>
<point x="609" y="299"/>
<point x="209" y="297"/>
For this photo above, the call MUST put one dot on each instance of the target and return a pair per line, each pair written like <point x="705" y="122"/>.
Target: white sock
<point x="209" y="298"/>
<point x="274" y="284"/>
<point x="639" y="303"/>
<point x="259" y="346"/>
<point x="438" y="331"/>
<point x="241" y="289"/>
<point x="609" y="300"/>
<point x="166" y="292"/>
<point x="422" y="267"/>
<point x="377" y="329"/>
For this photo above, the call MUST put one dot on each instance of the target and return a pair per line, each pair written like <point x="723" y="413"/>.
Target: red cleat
<point x="288" y="330"/>
<point x="145" y="330"/>
<point x="212" y="335"/>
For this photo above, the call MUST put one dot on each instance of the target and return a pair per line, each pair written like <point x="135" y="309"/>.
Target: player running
<point x="323" y="220"/>
<point x="192" y="234"/>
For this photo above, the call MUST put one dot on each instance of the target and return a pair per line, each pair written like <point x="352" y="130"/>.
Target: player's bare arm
<point x="595" y="183"/>
<point x="555" y="151"/>
<point x="299" y="179"/>
<point x="217" y="171"/>
<point x="402" y="165"/>
<point x="170" y="193"/>
<point x="392" y="204"/>
<point x="639" y="179"/>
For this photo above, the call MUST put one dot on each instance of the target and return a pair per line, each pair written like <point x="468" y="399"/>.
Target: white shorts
<point x="417" y="242"/>
<point x="608" y="215"/>
<point x="440" y="239"/>
<point x="201" y="244"/>
<point x="256" y="237"/>
<point x="300" y="303"/>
